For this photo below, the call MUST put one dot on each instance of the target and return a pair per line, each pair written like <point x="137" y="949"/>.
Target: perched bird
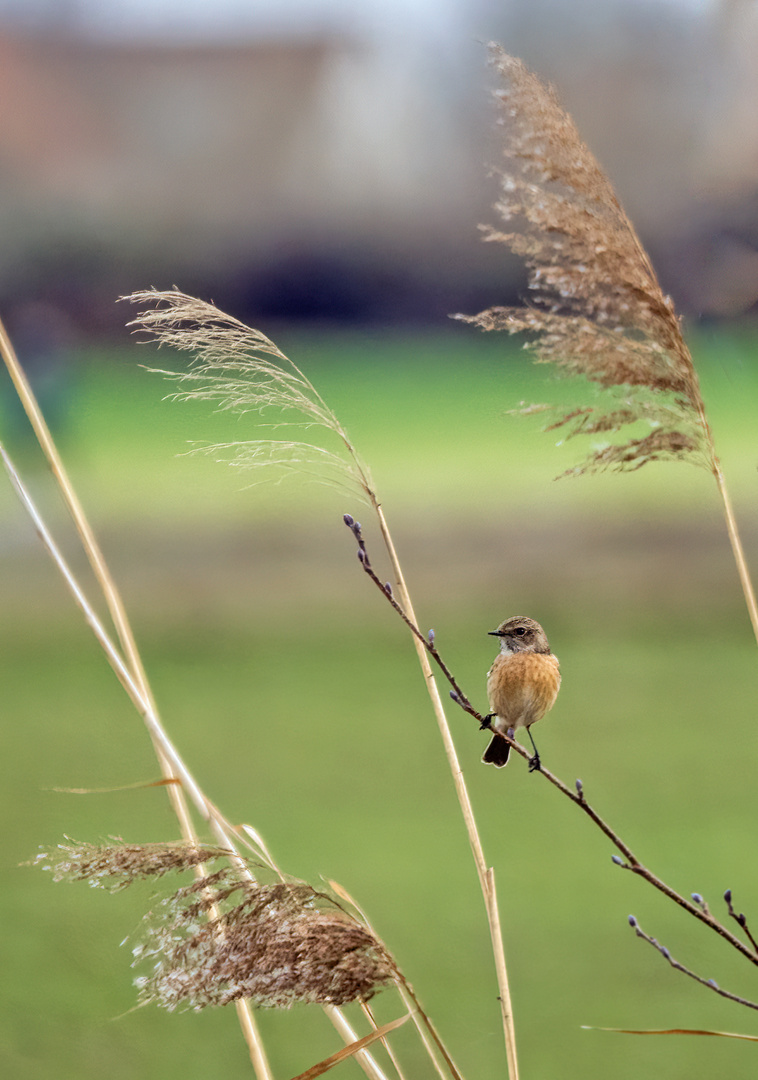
<point x="522" y="685"/>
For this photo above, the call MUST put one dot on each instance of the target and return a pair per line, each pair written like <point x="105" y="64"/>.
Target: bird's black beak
<point x="494" y="633"/>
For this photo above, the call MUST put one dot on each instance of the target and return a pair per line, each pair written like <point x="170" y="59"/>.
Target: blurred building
<point x="330" y="174"/>
<point x="265" y="163"/>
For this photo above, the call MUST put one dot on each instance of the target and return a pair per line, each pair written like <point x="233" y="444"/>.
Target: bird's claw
<point x="485" y="724"/>
<point x="534" y="763"/>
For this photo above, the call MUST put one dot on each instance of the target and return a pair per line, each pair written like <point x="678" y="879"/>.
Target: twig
<point x="386" y="589"/>
<point x="710" y="983"/>
<point x="630" y="861"/>
<point x="740" y="919"/>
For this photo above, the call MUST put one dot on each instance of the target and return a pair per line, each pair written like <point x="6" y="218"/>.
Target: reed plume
<point x="226" y="936"/>
<point x="596" y="308"/>
<point x="242" y="370"/>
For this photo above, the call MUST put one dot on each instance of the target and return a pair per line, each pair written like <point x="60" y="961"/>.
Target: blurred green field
<point x="296" y="699"/>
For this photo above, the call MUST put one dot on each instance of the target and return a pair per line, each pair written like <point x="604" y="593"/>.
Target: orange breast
<point x="522" y="687"/>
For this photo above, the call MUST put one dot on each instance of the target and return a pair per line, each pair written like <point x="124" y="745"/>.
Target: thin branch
<point x="739" y="919"/>
<point x="577" y="796"/>
<point x="386" y="589"/>
<point x="710" y="983"/>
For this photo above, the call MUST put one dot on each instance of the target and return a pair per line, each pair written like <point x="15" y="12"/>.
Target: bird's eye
<point x="520" y="630"/>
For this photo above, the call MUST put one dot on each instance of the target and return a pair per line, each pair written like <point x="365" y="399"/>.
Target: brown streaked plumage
<point x="522" y="685"/>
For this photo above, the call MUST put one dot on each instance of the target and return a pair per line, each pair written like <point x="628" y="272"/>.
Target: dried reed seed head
<point x="225" y="937"/>
<point x="114" y="866"/>
<point x="241" y="370"/>
<point x="598" y="309"/>
<point x="278" y="945"/>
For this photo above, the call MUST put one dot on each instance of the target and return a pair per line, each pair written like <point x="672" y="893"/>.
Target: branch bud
<point x="348" y="520"/>
<point x="632" y="920"/>
<point x="617" y="859"/>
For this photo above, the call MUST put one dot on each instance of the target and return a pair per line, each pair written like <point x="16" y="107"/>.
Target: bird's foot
<point x="485" y="724"/>
<point x="535" y="764"/>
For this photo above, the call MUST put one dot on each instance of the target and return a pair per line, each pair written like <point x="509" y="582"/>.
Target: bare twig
<point x="698" y="910"/>
<point x="739" y="919"/>
<point x="710" y="983"/>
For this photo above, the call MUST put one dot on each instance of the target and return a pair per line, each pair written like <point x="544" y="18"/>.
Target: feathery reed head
<point x="226" y="937"/>
<point x="276" y="944"/>
<point x="114" y="866"/>
<point x="244" y="371"/>
<point x="597" y="308"/>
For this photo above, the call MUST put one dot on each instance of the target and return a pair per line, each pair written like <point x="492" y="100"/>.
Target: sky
<point x="187" y="19"/>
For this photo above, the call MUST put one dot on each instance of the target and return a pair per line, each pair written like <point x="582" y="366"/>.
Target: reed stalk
<point x="596" y="306"/>
<point x="131" y="674"/>
<point x="240" y="369"/>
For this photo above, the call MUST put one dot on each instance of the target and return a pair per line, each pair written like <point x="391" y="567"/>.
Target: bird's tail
<point x="497" y="752"/>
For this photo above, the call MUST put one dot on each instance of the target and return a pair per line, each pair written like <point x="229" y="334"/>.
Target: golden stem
<point x="128" y="644"/>
<point x="737" y="550"/>
<point x="486" y="874"/>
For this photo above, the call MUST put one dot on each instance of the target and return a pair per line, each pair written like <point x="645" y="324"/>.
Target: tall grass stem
<point x="485" y="874"/>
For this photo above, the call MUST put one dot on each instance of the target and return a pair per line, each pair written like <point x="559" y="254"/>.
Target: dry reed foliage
<point x="224" y="938"/>
<point x="277" y="945"/>
<point x="243" y="371"/>
<point x="596" y="308"/>
<point x="114" y="866"/>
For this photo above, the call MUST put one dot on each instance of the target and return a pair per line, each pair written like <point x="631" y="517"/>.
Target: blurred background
<point x="319" y="168"/>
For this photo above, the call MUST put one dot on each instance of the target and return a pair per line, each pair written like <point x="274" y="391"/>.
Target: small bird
<point x="522" y="685"/>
